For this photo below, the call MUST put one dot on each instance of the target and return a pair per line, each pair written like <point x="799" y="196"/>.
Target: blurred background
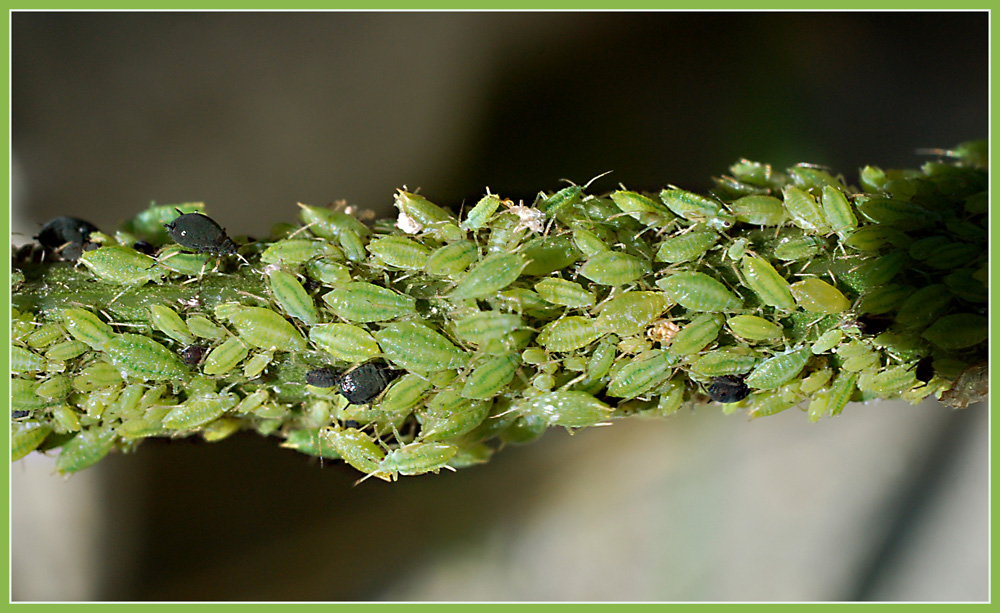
<point x="251" y="113"/>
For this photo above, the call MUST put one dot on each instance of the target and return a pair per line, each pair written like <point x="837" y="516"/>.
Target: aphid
<point x="127" y="403"/>
<point x="924" y="369"/>
<point x="452" y="259"/>
<point x="345" y="342"/>
<point x="24" y="360"/>
<point x="66" y="235"/>
<point x="725" y="361"/>
<point x="85" y="449"/>
<point x="25" y="437"/>
<point x="547" y="254"/>
<point x="167" y="320"/>
<point x="328" y="272"/>
<point x="727" y="389"/>
<point x="827" y="341"/>
<point x="697" y="334"/>
<point x="199" y="410"/>
<point x="779" y="369"/>
<point x="837" y="211"/>
<point x="292" y="297"/>
<point x="226" y="356"/>
<point x="251" y="402"/>
<point x="353" y="246"/>
<point x="487" y="328"/>
<point x="570" y="409"/>
<point x="23" y="396"/>
<point x="142" y="357"/>
<point x="66" y="350"/>
<point x="175" y="259"/>
<point x="874" y="237"/>
<point x="99" y="375"/>
<point x="671" y="396"/>
<point x="329" y="224"/>
<point x="630" y="313"/>
<point x="817" y="296"/>
<point x="697" y="208"/>
<point x="121" y="265"/>
<point x="662" y="331"/>
<point x="642" y="208"/>
<point x="881" y="270"/>
<point x="883" y="299"/>
<point x="968" y="285"/>
<point x="265" y="329"/>
<point x="416" y="347"/>
<point x="799" y="248"/>
<point x="449" y="414"/>
<point x="565" y="293"/>
<point x="569" y="333"/>
<point x="86" y="327"/>
<point x="421" y="213"/>
<point x="200" y="233"/>
<point x="958" y="331"/>
<point x="640" y="374"/>
<point x="416" y="459"/>
<point x="737" y="249"/>
<point x="771" y="403"/>
<point x="697" y="291"/>
<point x="806" y="213"/>
<point x="192" y="355"/>
<point x="54" y="388"/>
<point x="490" y="377"/>
<point x="400" y="251"/>
<point x="888" y="382"/>
<point x="293" y="252"/>
<point x="614" y="268"/>
<point x="898" y="213"/>
<point x="202" y="327"/>
<point x="362" y="302"/>
<point x="543" y="382"/>
<point x="45" y="335"/>
<point x="588" y="242"/>
<point x="478" y="215"/>
<point x="833" y="400"/>
<point x="754" y="328"/>
<point x="357" y="449"/>
<point x="815" y="381"/>
<point x="758" y="210"/>
<point x="489" y="276"/>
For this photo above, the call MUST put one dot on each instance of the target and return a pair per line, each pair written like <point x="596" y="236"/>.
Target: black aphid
<point x="322" y="377"/>
<point x="193" y="354"/>
<point x="66" y="236"/>
<point x="925" y="369"/>
<point x="728" y="388"/>
<point x="359" y="386"/>
<point x="201" y="233"/>
<point x="873" y="325"/>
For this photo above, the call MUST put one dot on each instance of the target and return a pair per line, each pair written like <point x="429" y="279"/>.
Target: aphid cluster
<point x="430" y="340"/>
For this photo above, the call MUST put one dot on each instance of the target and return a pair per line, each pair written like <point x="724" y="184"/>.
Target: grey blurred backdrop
<point x="252" y="113"/>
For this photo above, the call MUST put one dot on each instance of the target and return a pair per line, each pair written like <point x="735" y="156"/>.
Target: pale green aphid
<point x="220" y="428"/>
<point x="328" y="272"/>
<point x="66" y="350"/>
<point x="142" y="357"/>
<point x="569" y="333"/>
<point x="548" y="254"/>
<point x="25" y="437"/>
<point x="600" y="360"/>
<point x="362" y="302"/>
<point x="24" y="360"/>
<point x="958" y="331"/>
<point x="534" y="356"/>
<point x="345" y="342"/>
<point x="854" y="349"/>
<point x="874" y="237"/>
<point x="353" y="246"/>
<point x="85" y="449"/>
<point x="570" y="409"/>
<point x="449" y="414"/>
<point x="54" y="388"/>
<point x="644" y="372"/>
<point x="295" y="251"/>
<point x="697" y="208"/>
<point x="85" y="326"/>
<point x="883" y="299"/>
<point x="891" y="212"/>
<point x="478" y="215"/>
<point x="311" y="442"/>
<point x="404" y="394"/>
<point x="543" y="382"/>
<point x="400" y="252"/>
<point x="576" y="363"/>
<point x="924" y="306"/>
<point x="779" y="369"/>
<point x="634" y="344"/>
<point x="416" y="459"/>
<point x="697" y="291"/>
<point x="489" y="276"/>
<point x="121" y="265"/>
<point x="754" y="328"/>
<point x="827" y="341"/>
<point x="879" y="271"/>
<point x="671" y="396"/>
<point x="329" y="224"/>
<point x="758" y="210"/>
<point x="99" y="400"/>
<point x="837" y="211"/>
<point x="686" y="247"/>
<point x="491" y="377"/>
<point x="632" y="312"/>
<point x="422" y="212"/>
<point x="487" y="327"/>
<point x="737" y="249"/>
<point x="587" y="242"/>
<point x="203" y="327"/>
<point x="225" y="357"/>
<point x="292" y="297"/>
<point x="266" y="329"/>
<point x="257" y="363"/>
<point x="833" y="400"/>
<point x="416" y="347"/>
<point x="888" y="382"/>
<point x="45" y="335"/>
<point x="613" y="268"/>
<point x="805" y="212"/>
<point x="175" y="259"/>
<point x="23" y="396"/>
<point x="815" y="382"/>
<point x="564" y="293"/>
<point x="356" y="448"/>
<point x="817" y="296"/>
<point x="697" y="334"/>
<point x="808" y="176"/>
<point x="452" y="259"/>
<point x="771" y="403"/>
<point x="98" y="375"/>
<point x="251" y="402"/>
<point x="198" y="411"/>
<point x="799" y="248"/>
<point x="127" y="403"/>
<point x="641" y="207"/>
<point x="725" y="361"/>
<point x="167" y="320"/>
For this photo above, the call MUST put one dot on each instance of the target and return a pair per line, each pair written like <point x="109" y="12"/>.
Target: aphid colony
<point x="431" y="340"/>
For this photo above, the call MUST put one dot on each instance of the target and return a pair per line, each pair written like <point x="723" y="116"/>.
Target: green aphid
<point x="449" y="414"/>
<point x="175" y="259"/>
<point x="889" y="382"/>
<point x="293" y="252"/>
<point x="292" y="297"/>
<point x="832" y="401"/>
<point x="809" y="177"/>
<point x="805" y="212"/>
<point x="415" y="458"/>
<point x="422" y="212"/>
<point x="562" y="199"/>
<point x="526" y="302"/>
<point x="686" y="247"/>
<point x="614" y="268"/>
<point x="24" y="360"/>
<point x="697" y="291"/>
<point x="99" y="375"/>
<point x="883" y="299"/>
<point x="815" y="382"/>
<point x="958" y="331"/>
<point x="779" y="370"/>
<point x="54" y="388"/>
<point x="799" y="248"/>
<point x="827" y="341"/>
<point x="85" y="449"/>
<point x="547" y="254"/>
<point x="257" y="363"/>
<point x="225" y="357"/>
<point x="203" y="327"/>
<point x="817" y="296"/>
<point x="491" y="377"/>
<point x="641" y="374"/>
<point x="86" y="327"/>
<point x="924" y="306"/>
<point x="768" y="403"/>
<point x="955" y="255"/>
<point x="543" y="382"/>
<point x="329" y="224"/>
<point x="697" y="334"/>
<point x="598" y="365"/>
<point x="564" y="293"/>
<point x="875" y="237"/>
<point x="487" y="327"/>
<point x="25" y="437"/>
<point x="98" y="400"/>
<point x="353" y="246"/>
<point x="199" y="410"/>
<point x="725" y="361"/>
<point x="837" y="211"/>
<point x="489" y="276"/>
<point x="142" y="357"/>
<point x="758" y="210"/>
<point x="23" y="396"/>
<point x="251" y="402"/>
<point x="220" y="429"/>
<point x="328" y="272"/>
<point x="121" y="265"/>
<point x="167" y="320"/>
<point x="66" y="350"/>
<point x="697" y="208"/>
<point x="400" y="252"/>
<point x="403" y="395"/>
<point x="754" y="328"/>
<point x="632" y="312"/>
<point x="588" y="242"/>
<point x="642" y="208"/>
<point x="127" y="404"/>
<point x="150" y="223"/>
<point x="45" y="335"/>
<point x="345" y="342"/>
<point x="311" y="442"/>
<point x="418" y="348"/>
<point x="356" y="448"/>
<point x="265" y="329"/>
<point x="896" y="213"/>
<point x="452" y="259"/>
<point x="879" y="271"/>
<point x="479" y="215"/>
<point x="671" y="397"/>
<point x="967" y="284"/>
<point x="570" y="409"/>
<point x="569" y="333"/>
<point x="362" y="302"/>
